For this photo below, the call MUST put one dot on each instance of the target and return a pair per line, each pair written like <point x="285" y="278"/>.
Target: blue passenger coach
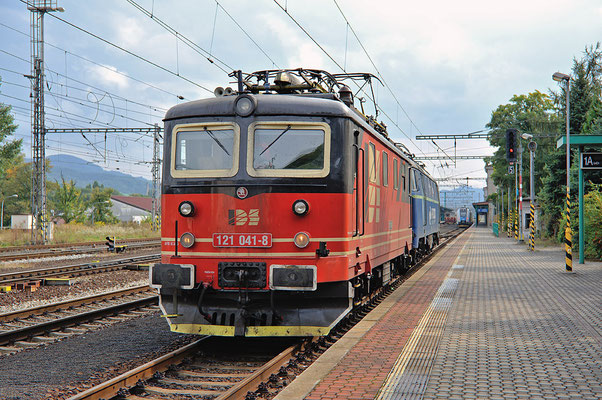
<point x="425" y="210"/>
<point x="464" y="217"/>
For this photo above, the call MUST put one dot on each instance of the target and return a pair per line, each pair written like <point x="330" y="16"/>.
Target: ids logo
<point x="241" y="217"/>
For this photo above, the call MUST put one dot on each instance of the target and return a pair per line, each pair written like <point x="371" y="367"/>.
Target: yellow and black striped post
<point x="501" y="221"/>
<point x="532" y="226"/>
<point x="568" y="234"/>
<point x="515" y="224"/>
<point x="509" y="222"/>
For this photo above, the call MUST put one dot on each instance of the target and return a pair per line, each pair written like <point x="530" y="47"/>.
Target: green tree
<point x="100" y="202"/>
<point x="531" y="113"/>
<point x="17" y="180"/>
<point x="66" y="200"/>
<point x="9" y="149"/>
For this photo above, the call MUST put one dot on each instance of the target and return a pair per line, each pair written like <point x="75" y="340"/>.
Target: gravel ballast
<point x="81" y="361"/>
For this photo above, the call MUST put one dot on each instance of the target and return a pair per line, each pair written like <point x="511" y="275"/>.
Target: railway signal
<point x="112" y="245"/>
<point x="511" y="145"/>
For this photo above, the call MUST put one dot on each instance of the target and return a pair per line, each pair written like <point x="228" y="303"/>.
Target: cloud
<point x="109" y="76"/>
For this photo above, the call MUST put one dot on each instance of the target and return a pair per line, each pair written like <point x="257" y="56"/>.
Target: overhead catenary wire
<point x="195" y="47"/>
<point x="375" y="67"/>
<point x="74" y="114"/>
<point x="146" y="60"/>
<point x="88" y="85"/>
<point x="93" y="62"/>
<point x="349" y="26"/>
<point x="247" y="34"/>
<point x="343" y="69"/>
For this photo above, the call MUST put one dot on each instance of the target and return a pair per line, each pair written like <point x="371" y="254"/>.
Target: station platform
<point x="483" y="319"/>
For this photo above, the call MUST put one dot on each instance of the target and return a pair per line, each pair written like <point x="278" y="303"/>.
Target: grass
<point x="73" y="233"/>
<point x="547" y="242"/>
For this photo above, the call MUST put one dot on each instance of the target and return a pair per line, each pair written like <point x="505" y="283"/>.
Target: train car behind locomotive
<point x="282" y="207"/>
<point x="464" y="217"/>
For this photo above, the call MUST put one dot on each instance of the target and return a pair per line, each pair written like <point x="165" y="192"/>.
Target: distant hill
<point x="83" y="173"/>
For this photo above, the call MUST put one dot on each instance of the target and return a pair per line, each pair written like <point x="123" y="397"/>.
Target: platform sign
<point x="591" y="160"/>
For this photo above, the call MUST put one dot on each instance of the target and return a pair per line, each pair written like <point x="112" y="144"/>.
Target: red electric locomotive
<point x="282" y="207"/>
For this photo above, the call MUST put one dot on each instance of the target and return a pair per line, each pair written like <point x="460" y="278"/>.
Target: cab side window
<point x="395" y="174"/>
<point x="385" y="169"/>
<point x="372" y="163"/>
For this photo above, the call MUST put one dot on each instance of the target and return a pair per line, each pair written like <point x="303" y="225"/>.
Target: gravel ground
<point x="47" y="262"/>
<point x="54" y="371"/>
<point x="82" y="286"/>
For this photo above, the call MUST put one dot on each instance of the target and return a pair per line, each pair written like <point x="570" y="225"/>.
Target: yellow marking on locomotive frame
<point x="255" y="331"/>
<point x="200" y="329"/>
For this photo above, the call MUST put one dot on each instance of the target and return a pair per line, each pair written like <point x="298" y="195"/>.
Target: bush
<point x="592" y="213"/>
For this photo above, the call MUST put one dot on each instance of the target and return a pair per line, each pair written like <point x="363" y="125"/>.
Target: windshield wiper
<point x="279" y="136"/>
<point x="216" y="140"/>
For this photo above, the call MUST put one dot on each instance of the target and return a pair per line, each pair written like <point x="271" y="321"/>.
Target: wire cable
<point x="154" y="64"/>
<point x="92" y="62"/>
<point x="212" y="59"/>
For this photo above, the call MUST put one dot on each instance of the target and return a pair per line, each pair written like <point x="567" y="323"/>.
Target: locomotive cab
<point x="253" y="215"/>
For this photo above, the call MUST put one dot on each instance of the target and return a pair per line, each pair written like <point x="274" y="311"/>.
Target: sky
<point x="446" y="65"/>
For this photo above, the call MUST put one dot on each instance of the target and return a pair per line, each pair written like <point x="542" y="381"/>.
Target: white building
<point x="131" y="209"/>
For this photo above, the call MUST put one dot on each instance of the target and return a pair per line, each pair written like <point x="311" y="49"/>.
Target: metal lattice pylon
<point x="39" y="231"/>
<point x="156" y="171"/>
<point x="38" y="142"/>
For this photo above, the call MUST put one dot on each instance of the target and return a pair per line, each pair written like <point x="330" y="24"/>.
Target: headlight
<point x="187" y="240"/>
<point x="186" y="209"/>
<point x="301" y="240"/>
<point x="245" y="105"/>
<point x="300" y="207"/>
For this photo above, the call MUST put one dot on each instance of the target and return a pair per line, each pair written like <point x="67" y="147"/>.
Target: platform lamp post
<point x="560" y="77"/>
<point x="2" y="212"/>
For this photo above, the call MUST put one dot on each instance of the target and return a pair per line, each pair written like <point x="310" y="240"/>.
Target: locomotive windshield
<point x="303" y="149"/>
<point x="289" y="149"/>
<point x="206" y="150"/>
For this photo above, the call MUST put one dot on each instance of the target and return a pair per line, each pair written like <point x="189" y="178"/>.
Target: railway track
<point x="196" y="372"/>
<point x="452" y="233"/>
<point x="75" y="269"/>
<point x="185" y="374"/>
<point x="32" y="327"/>
<point x="27" y="253"/>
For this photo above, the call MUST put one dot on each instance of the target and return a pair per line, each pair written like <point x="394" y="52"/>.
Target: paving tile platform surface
<point x="486" y="320"/>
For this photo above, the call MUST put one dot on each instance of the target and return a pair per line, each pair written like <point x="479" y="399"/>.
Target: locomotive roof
<point x="306" y="104"/>
<point x="318" y="104"/>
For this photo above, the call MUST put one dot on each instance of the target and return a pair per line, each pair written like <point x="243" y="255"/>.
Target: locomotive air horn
<point x="219" y="91"/>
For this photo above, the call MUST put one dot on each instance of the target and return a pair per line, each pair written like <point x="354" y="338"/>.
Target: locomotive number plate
<point x="242" y="240"/>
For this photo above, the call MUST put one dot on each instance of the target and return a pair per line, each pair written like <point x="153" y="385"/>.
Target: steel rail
<point x="110" y="388"/>
<point x="53" y="252"/>
<point x="74" y="269"/>
<point x="6" y="338"/>
<point x="249" y="384"/>
<point x="63" y="305"/>
<point x="129" y="379"/>
<point x="74" y="244"/>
